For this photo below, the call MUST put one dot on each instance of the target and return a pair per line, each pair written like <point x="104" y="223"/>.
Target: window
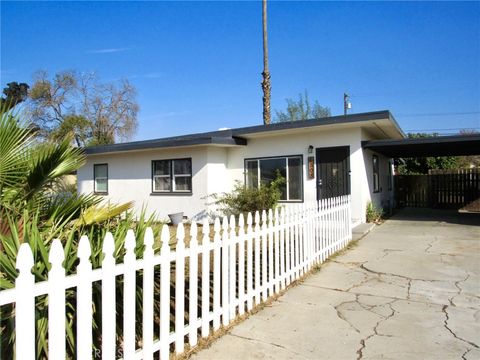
<point x="376" y="175"/>
<point x="100" y="176"/>
<point x="265" y="170"/>
<point x="172" y="176"/>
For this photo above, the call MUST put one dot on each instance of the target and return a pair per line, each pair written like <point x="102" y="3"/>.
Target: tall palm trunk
<point x="266" y="86"/>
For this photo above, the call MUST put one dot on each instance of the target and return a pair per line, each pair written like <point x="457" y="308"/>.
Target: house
<point x="319" y="158"/>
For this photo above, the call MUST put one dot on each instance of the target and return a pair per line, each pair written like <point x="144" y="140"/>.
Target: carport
<point x="441" y="189"/>
<point x="455" y="145"/>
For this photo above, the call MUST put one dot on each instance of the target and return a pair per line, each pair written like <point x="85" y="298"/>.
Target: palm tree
<point x="35" y="210"/>
<point x="266" y="86"/>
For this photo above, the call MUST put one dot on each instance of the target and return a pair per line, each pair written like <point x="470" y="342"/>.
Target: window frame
<point x="95" y="191"/>
<point x="172" y="177"/>
<point x="376" y="173"/>
<point x="286" y="157"/>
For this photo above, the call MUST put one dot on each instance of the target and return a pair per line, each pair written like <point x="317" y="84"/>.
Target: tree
<point x="266" y="85"/>
<point x="15" y="93"/>
<point x="302" y="110"/>
<point x="468" y="161"/>
<point x="421" y="165"/>
<point x="79" y="105"/>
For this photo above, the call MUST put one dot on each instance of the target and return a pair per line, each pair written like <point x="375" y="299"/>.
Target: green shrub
<point x="373" y="213"/>
<point x="244" y="199"/>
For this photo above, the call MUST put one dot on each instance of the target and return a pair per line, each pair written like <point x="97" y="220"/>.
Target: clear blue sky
<point x="197" y="65"/>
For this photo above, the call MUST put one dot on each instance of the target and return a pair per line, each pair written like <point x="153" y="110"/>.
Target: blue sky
<point x="197" y="65"/>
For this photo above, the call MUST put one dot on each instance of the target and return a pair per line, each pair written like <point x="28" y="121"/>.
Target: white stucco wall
<point x="215" y="169"/>
<point x="297" y="144"/>
<point x="384" y="198"/>
<point x="130" y="174"/>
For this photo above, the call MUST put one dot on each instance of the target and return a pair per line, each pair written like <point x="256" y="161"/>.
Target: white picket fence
<point x="250" y="264"/>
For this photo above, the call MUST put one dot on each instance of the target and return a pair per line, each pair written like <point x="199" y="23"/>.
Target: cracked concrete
<point x="409" y="290"/>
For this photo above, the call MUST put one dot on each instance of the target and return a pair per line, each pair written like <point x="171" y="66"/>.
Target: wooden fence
<point x="214" y="281"/>
<point x="445" y="189"/>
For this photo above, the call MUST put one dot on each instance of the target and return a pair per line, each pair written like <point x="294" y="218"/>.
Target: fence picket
<point x="225" y="278"/>
<point x="264" y="255"/>
<point x="276" y="250"/>
<point x="56" y="303"/>
<point x="241" y="265"/>
<point x="249" y="262"/>
<point x="257" y="257"/>
<point x="129" y="285"/>
<point x="148" y="268"/>
<point x="108" y="298"/>
<point x="216" y="275"/>
<point x="282" y="248"/>
<point x="179" y="289"/>
<point x="193" y="289"/>
<point x="84" y="300"/>
<point x="232" y="268"/>
<point x="25" y="305"/>
<point x="270" y="242"/>
<point x="165" y="294"/>
<point x="205" y="278"/>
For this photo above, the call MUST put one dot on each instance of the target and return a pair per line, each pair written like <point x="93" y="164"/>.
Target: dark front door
<point x="333" y="172"/>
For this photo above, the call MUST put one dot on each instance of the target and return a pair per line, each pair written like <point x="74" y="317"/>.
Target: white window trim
<point x="172" y="176"/>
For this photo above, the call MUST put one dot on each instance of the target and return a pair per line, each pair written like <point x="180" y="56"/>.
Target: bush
<point x="373" y="214"/>
<point x="243" y="199"/>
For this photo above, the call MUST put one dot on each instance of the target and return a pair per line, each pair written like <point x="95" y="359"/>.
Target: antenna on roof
<point x="347" y="105"/>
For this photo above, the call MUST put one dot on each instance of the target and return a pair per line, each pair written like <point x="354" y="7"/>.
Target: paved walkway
<point x="409" y="290"/>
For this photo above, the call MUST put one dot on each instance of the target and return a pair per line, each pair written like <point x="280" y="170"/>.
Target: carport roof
<point x="454" y="145"/>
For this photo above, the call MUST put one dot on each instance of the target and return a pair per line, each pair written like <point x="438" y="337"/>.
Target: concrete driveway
<point x="409" y="290"/>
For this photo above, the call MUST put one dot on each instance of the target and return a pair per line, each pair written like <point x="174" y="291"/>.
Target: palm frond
<point x="15" y="141"/>
<point x="99" y="213"/>
<point x="50" y="162"/>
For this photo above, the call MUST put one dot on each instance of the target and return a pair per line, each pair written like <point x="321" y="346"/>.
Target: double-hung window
<point x="376" y="173"/>
<point x="265" y="170"/>
<point x="100" y="178"/>
<point x="172" y="176"/>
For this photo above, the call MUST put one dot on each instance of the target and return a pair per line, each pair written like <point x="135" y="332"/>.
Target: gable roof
<point x="233" y="137"/>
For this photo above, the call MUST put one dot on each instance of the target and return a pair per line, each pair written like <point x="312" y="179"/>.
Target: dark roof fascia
<point x="234" y="136"/>
<point x="166" y="143"/>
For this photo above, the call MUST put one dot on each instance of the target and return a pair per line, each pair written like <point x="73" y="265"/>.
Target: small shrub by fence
<point x="186" y="293"/>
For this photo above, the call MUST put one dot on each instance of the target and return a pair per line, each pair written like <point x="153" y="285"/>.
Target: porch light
<point x="310" y="149"/>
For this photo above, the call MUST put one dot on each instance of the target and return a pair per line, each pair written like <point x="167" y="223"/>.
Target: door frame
<point x="317" y="172"/>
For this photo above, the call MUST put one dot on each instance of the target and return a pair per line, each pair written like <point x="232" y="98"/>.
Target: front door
<point x="333" y="172"/>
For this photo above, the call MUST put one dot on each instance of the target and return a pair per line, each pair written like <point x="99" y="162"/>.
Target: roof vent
<point x="223" y="128"/>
